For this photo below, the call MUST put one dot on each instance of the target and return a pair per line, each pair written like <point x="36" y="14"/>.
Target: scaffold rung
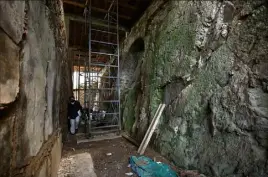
<point x="102" y="53"/>
<point x="103" y="42"/>
<point x="106" y="101"/>
<point x="99" y="84"/>
<point x="109" y="126"/>
<point x="114" y="113"/>
<point x="103" y="65"/>
<point x="103" y="89"/>
<point x="103" y="31"/>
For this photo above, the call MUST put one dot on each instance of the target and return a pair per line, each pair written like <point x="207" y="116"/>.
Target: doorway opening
<point x="96" y="73"/>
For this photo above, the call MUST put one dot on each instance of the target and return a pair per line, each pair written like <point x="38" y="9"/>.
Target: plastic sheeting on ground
<point x="146" y="167"/>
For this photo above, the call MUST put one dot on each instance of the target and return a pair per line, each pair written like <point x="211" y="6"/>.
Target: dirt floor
<point x="108" y="158"/>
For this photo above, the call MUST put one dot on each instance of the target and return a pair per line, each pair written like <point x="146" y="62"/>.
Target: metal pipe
<point x="106" y="101"/>
<point x="103" y="65"/>
<point x="113" y="18"/>
<point x="118" y="78"/>
<point x="101" y="79"/>
<point x="111" y="113"/>
<point x="72" y="63"/>
<point x="103" y="89"/>
<point x="109" y="8"/>
<point x="103" y="42"/>
<point x="85" y="82"/>
<point x="105" y="21"/>
<point x="89" y="63"/>
<point x="109" y="19"/>
<point x="76" y="93"/>
<point x="78" y="79"/>
<point x="109" y="126"/>
<point x="103" y="31"/>
<point x="102" y="53"/>
<point x="105" y="77"/>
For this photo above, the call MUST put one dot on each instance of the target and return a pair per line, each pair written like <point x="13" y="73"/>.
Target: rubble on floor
<point x="77" y="165"/>
<point x="107" y="158"/>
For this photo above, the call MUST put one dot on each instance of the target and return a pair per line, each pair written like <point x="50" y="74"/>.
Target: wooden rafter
<point x="125" y="5"/>
<point x="95" y="21"/>
<point x="93" y="8"/>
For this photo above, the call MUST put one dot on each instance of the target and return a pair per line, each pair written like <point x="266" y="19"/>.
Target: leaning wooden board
<point x="151" y="129"/>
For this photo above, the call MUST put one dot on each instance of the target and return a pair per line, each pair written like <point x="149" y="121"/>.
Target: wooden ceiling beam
<point x="94" y="8"/>
<point x="125" y="5"/>
<point x="95" y="21"/>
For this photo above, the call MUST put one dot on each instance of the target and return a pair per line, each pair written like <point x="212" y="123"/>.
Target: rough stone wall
<point x="33" y="71"/>
<point x="207" y="60"/>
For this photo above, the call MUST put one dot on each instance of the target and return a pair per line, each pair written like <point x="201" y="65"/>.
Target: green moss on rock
<point x="129" y="110"/>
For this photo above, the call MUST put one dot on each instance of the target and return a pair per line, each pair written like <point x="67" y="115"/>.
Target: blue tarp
<point x="146" y="167"/>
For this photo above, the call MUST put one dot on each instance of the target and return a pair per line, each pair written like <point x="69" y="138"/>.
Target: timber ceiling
<point x="129" y="13"/>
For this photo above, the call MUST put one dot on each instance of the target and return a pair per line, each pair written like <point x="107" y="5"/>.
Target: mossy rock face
<point x="128" y="112"/>
<point x="212" y="75"/>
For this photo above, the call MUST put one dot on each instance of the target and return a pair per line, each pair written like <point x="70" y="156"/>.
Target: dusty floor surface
<point x="91" y="159"/>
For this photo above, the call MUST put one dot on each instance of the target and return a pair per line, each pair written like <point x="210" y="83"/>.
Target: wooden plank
<point x="150" y="127"/>
<point x="147" y="139"/>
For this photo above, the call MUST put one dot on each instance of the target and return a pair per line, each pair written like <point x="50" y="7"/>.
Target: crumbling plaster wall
<point x="33" y="71"/>
<point x="207" y="60"/>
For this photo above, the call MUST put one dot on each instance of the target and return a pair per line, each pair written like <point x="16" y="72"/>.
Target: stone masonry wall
<point x="207" y="60"/>
<point x="33" y="71"/>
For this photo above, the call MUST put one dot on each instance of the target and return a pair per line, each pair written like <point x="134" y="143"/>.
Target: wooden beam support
<point x="94" y="8"/>
<point x="95" y="21"/>
<point x="125" y="5"/>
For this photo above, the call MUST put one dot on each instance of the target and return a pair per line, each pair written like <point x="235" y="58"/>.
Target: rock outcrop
<point x="207" y="61"/>
<point x="33" y="71"/>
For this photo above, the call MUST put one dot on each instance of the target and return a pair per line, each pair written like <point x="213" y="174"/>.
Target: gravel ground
<point x="108" y="158"/>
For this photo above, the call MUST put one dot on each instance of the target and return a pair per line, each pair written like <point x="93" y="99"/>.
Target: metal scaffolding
<point x="101" y="74"/>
